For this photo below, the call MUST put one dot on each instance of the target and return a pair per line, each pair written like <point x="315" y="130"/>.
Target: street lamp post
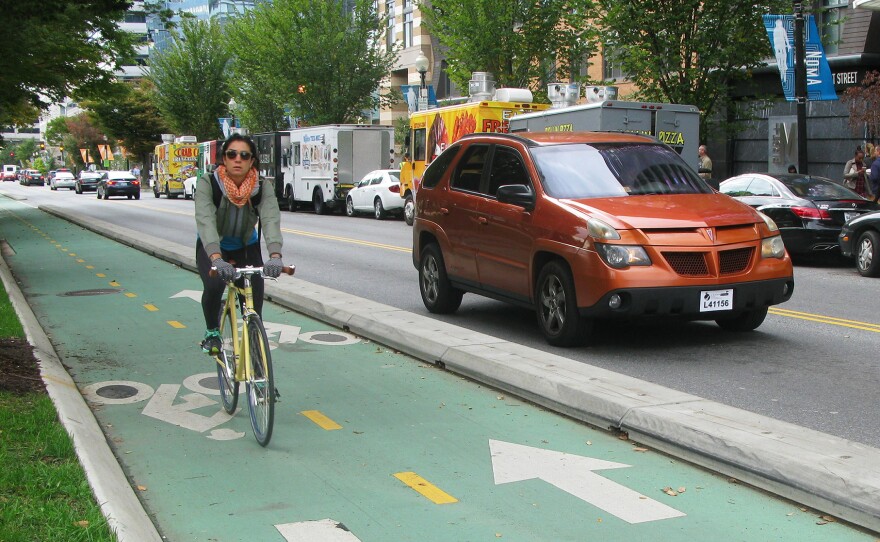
<point x="232" y="105"/>
<point x="421" y="65"/>
<point x="800" y="85"/>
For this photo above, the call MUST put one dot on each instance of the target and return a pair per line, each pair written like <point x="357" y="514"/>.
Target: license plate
<point x="716" y="300"/>
<point x="849" y="216"/>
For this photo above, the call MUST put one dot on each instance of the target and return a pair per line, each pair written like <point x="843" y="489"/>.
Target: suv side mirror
<point x="516" y="194"/>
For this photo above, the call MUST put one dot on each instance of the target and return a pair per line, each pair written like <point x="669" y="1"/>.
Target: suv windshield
<point x="602" y="170"/>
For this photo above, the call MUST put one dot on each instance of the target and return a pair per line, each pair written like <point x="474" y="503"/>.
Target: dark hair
<point x="792" y="169"/>
<point x="250" y="143"/>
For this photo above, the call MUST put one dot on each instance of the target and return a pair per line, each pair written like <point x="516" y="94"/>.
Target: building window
<point x="830" y="21"/>
<point x="407" y="23"/>
<point x="389" y="14"/>
<point x="135" y="17"/>
<point x="611" y="70"/>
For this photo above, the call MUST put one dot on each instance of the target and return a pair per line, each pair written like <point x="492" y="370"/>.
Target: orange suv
<point x="589" y="225"/>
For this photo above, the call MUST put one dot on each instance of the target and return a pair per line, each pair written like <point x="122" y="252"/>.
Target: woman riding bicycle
<point x="229" y="203"/>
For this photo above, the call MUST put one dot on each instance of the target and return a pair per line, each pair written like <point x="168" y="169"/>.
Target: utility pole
<point x="800" y="85"/>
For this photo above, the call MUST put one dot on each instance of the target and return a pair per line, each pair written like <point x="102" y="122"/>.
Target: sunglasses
<point x="232" y="154"/>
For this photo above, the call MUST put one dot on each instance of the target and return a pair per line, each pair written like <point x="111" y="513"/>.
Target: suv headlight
<point x="601" y="230"/>
<point x="622" y="256"/>
<point x="772" y="247"/>
<point x="771" y="225"/>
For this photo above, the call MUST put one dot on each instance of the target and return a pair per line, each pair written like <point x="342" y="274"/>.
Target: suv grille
<point x="735" y="261"/>
<point x="692" y="264"/>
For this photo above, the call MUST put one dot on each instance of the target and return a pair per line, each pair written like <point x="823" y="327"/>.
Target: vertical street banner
<point x="780" y="30"/>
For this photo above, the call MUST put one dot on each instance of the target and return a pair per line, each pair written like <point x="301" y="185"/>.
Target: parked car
<point x="30" y="177"/>
<point x="119" y="183"/>
<point x="378" y="192"/>
<point x="583" y="226"/>
<point x="62" y="179"/>
<point x="860" y="238"/>
<point x="809" y="210"/>
<point x="87" y="181"/>
<point x="189" y="187"/>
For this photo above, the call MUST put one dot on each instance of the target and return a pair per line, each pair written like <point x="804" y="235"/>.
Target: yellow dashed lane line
<point x="321" y="420"/>
<point x="425" y="488"/>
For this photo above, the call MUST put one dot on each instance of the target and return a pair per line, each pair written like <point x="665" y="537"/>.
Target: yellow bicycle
<point x="244" y="355"/>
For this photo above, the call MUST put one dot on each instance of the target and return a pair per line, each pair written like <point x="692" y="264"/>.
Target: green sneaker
<point x="211" y="343"/>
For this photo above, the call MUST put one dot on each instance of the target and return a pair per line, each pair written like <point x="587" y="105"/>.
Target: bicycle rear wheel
<point x="261" y="385"/>
<point x="226" y="361"/>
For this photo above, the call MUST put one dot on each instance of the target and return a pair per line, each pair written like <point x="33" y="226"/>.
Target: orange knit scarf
<point x="238" y="194"/>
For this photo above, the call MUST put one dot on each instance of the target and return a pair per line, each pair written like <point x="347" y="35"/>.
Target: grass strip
<point x="44" y="493"/>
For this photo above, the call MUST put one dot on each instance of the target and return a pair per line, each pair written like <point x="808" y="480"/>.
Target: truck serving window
<point x="615" y="169"/>
<point x="419" y="137"/>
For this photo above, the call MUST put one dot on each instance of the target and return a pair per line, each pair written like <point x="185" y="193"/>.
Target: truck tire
<point x="409" y="209"/>
<point x="318" y="202"/>
<point x="156" y="191"/>
<point x="291" y="200"/>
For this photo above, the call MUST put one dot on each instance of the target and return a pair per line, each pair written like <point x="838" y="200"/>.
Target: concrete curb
<point x="828" y="473"/>
<point x="124" y="512"/>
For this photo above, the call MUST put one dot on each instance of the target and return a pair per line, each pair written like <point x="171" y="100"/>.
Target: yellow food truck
<point x="432" y="130"/>
<point x="172" y="163"/>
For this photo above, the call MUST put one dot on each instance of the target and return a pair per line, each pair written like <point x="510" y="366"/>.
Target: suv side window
<point x="438" y="167"/>
<point x="469" y="172"/>
<point x="507" y="168"/>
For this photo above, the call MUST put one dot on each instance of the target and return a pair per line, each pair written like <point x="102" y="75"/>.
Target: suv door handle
<point x="482" y="220"/>
<point x="444" y="210"/>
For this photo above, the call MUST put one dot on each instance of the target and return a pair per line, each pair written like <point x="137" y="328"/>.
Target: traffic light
<point x="61" y="148"/>
<point x="42" y="146"/>
<point x="12" y="154"/>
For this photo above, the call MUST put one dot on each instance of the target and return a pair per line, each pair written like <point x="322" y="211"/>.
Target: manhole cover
<point x="117" y="392"/>
<point x="97" y="291"/>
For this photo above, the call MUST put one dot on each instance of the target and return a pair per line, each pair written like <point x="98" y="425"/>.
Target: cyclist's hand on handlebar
<point x="273" y="268"/>
<point x="224" y="269"/>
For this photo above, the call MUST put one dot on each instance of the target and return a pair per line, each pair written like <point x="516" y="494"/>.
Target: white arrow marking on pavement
<point x="195" y="295"/>
<point x="325" y="530"/>
<point x="573" y="474"/>
<point x="286" y="333"/>
<point x="162" y="407"/>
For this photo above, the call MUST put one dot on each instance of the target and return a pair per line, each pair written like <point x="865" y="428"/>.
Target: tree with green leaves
<point x="523" y="43"/>
<point x="191" y="79"/>
<point x="319" y="60"/>
<point x="55" y="48"/>
<point x="131" y="118"/>
<point x="688" y="51"/>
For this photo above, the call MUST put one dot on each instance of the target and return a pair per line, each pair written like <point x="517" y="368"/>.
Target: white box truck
<point x="676" y="125"/>
<point x="320" y="164"/>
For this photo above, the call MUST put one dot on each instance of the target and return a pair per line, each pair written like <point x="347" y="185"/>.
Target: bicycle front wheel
<point x="261" y="384"/>
<point x="226" y="361"/>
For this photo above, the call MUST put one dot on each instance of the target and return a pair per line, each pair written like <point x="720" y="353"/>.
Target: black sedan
<point x="119" y="183"/>
<point x="809" y="211"/>
<point x="87" y="182"/>
<point x="860" y="237"/>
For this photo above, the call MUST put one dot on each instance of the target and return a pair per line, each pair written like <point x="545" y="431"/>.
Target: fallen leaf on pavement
<point x="640" y="449"/>
<point x="669" y="491"/>
<point x="142" y="488"/>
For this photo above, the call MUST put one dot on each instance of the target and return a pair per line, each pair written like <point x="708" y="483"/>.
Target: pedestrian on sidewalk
<point x="229" y="204"/>
<point x="854" y="173"/>
<point x="874" y="178"/>
<point x="705" y="170"/>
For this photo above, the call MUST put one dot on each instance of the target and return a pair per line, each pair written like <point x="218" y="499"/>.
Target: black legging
<point x="212" y="294"/>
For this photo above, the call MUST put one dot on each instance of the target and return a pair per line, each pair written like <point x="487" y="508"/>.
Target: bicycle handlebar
<point x="250" y="270"/>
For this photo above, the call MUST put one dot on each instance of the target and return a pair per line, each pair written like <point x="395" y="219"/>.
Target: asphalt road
<point x="813" y="362"/>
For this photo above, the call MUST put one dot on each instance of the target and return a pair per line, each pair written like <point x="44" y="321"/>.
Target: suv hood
<point x="667" y="211"/>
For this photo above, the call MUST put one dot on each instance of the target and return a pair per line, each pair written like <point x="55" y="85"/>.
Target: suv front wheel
<point x="438" y="294"/>
<point x="556" y="305"/>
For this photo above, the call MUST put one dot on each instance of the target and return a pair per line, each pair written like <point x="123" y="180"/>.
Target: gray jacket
<point x="227" y="220"/>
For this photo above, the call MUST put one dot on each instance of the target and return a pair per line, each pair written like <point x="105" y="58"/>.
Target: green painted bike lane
<point x="391" y="448"/>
